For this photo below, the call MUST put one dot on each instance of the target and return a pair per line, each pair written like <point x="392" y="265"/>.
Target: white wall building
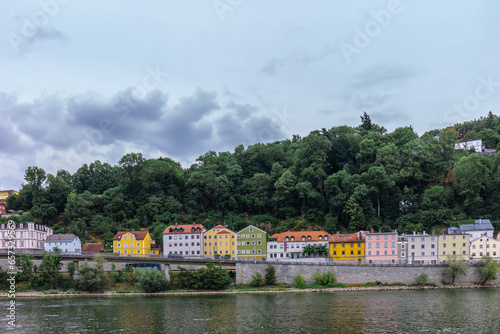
<point x="477" y="145"/>
<point x="290" y="245"/>
<point x="67" y="243"/>
<point x="28" y="236"/>
<point x="184" y="240"/>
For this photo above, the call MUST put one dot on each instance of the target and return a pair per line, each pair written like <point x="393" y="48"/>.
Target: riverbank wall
<point x="356" y="274"/>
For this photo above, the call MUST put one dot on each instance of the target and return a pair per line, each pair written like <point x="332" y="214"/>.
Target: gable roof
<point x="92" y="248"/>
<point x="139" y="235"/>
<point x="60" y="237"/>
<point x="252" y="227"/>
<point x="186" y="228"/>
<point x="298" y="236"/>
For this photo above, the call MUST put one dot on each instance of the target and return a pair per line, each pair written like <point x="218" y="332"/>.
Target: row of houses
<point x="470" y="242"/>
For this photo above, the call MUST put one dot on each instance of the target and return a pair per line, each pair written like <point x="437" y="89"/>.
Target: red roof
<point x="353" y="237"/>
<point x="139" y="235"/>
<point x="91" y="248"/>
<point x="298" y="236"/>
<point x="186" y="228"/>
<point x="219" y="226"/>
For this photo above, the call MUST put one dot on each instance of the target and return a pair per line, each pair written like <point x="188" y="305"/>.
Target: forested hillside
<point x="339" y="179"/>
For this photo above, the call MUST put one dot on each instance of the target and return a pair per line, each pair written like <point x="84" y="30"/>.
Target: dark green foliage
<point x="488" y="269"/>
<point x="71" y="268"/>
<point x="315" y="249"/>
<point x="92" y="278"/>
<point x="257" y="280"/>
<point x="455" y="267"/>
<point x="270" y="275"/>
<point x="151" y="280"/>
<point x="211" y="278"/>
<point x="49" y="271"/>
<point x="300" y="281"/>
<point x="339" y="179"/>
<point x="327" y="279"/>
<point x="24" y="263"/>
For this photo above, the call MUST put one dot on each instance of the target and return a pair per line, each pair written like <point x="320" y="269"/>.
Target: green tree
<point x="472" y="176"/>
<point x="71" y="269"/>
<point x="25" y="263"/>
<point x="151" y="280"/>
<point x="270" y="276"/>
<point x="488" y="269"/>
<point x="92" y="279"/>
<point x="257" y="280"/>
<point x="455" y="267"/>
<point x="49" y="270"/>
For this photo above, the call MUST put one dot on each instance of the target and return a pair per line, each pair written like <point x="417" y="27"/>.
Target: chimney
<point x="379" y="231"/>
<point x="413" y="232"/>
<point x="371" y="230"/>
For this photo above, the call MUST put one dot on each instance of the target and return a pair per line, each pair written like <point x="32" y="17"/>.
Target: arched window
<point x="286" y="239"/>
<point x="293" y="239"/>
<point x="308" y="237"/>
<point x="303" y="238"/>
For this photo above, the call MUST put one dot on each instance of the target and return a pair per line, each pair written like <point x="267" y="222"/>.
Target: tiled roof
<point x="298" y="236"/>
<point x="187" y="228"/>
<point x="353" y="237"/>
<point x="219" y="226"/>
<point x="139" y="235"/>
<point x="223" y="232"/>
<point x="91" y="248"/>
<point x="60" y="237"/>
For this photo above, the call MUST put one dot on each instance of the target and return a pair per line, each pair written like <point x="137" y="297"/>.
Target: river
<point x="428" y="311"/>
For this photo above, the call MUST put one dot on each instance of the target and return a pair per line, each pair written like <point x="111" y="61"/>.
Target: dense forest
<point x="339" y="179"/>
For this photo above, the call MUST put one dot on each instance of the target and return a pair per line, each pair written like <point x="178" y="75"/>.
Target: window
<point x="385" y="244"/>
<point x="377" y="245"/>
<point x="432" y="246"/>
<point x="385" y="236"/>
<point x="138" y="244"/>
<point x="422" y="246"/>
<point x="369" y="253"/>
<point x="444" y="253"/>
<point x="412" y="246"/>
<point x="385" y="252"/>
<point x="444" y="245"/>
<point x="402" y="246"/>
<point x="343" y="245"/>
<point x="422" y="253"/>
<point x="369" y="245"/>
<point x="378" y="253"/>
<point x="403" y="254"/>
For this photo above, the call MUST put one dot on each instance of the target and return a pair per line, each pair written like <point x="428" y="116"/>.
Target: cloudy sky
<point x="93" y="80"/>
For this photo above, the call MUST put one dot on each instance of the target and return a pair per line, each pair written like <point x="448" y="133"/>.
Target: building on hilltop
<point x="184" y="240"/>
<point x="133" y="243"/>
<point x="29" y="236"/>
<point x="66" y="243"/>
<point x="348" y="248"/>
<point x="218" y="242"/>
<point x="6" y="193"/>
<point x="252" y="243"/>
<point x="477" y="145"/>
<point x="290" y="245"/>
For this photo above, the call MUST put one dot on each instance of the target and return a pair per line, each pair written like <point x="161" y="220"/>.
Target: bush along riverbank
<point x="46" y="280"/>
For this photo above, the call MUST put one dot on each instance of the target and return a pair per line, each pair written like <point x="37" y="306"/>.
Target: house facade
<point x="29" y="236"/>
<point x="402" y="249"/>
<point x="132" y="243"/>
<point x="185" y="240"/>
<point x="453" y="244"/>
<point x="251" y="243"/>
<point x="422" y="248"/>
<point x="484" y="246"/>
<point x="6" y="193"/>
<point x="3" y="208"/>
<point x="381" y="247"/>
<point x="290" y="245"/>
<point x="66" y="243"/>
<point x="347" y="248"/>
<point x="219" y="241"/>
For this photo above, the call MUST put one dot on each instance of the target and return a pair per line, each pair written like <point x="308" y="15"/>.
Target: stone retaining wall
<point x="353" y="274"/>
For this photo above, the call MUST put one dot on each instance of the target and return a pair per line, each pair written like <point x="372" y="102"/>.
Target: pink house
<point x="381" y="248"/>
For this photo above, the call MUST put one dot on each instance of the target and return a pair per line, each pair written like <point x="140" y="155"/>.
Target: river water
<point x="415" y="311"/>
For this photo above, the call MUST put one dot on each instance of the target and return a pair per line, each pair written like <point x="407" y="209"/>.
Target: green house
<point x="251" y="244"/>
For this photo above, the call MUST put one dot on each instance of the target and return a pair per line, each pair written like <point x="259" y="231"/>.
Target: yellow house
<point x="453" y="244"/>
<point x="6" y="193"/>
<point x="133" y="243"/>
<point x="219" y="241"/>
<point x="484" y="245"/>
<point x="347" y="248"/>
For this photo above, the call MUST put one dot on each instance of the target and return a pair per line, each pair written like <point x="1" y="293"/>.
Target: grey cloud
<point x="243" y="111"/>
<point x="42" y="35"/>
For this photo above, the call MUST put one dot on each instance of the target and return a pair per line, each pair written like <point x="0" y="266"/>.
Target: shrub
<point x="487" y="269"/>
<point x="71" y="268"/>
<point x="257" y="280"/>
<point x="151" y="280"/>
<point x="300" y="281"/>
<point x="211" y="278"/>
<point x="270" y="275"/>
<point x="92" y="279"/>
<point x="325" y="279"/>
<point x="455" y="267"/>
<point x="421" y="279"/>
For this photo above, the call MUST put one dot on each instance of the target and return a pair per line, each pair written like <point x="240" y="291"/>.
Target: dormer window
<point x="193" y="229"/>
<point x="303" y="238"/>
<point x="308" y="237"/>
<point x="171" y="230"/>
<point x="320" y="237"/>
<point x="292" y="239"/>
<point x="286" y="239"/>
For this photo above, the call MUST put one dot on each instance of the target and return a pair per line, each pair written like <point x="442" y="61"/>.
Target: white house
<point x="67" y="243"/>
<point x="289" y="245"/>
<point x="480" y="228"/>
<point x="183" y="240"/>
<point x="28" y="236"/>
<point x="477" y="145"/>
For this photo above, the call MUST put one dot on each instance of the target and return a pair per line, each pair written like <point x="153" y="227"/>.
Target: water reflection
<point x="458" y="311"/>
